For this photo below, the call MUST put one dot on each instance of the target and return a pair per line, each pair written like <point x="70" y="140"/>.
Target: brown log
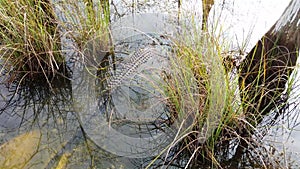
<point x="265" y="70"/>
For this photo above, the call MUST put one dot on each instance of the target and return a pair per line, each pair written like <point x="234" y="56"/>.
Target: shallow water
<point x="255" y="18"/>
<point x="58" y="118"/>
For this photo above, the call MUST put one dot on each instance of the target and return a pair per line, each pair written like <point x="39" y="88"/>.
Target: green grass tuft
<point x="30" y="42"/>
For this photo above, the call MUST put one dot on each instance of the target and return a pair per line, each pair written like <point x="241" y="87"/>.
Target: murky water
<point x="68" y="123"/>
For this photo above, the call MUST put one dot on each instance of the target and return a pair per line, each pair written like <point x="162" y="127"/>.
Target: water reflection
<point x="62" y="122"/>
<point x="40" y="129"/>
<point x="122" y="123"/>
<point x="35" y="106"/>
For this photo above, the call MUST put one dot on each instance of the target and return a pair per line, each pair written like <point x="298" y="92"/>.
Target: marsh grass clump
<point x="32" y="33"/>
<point x="30" y="42"/>
<point x="197" y="89"/>
<point x="222" y="133"/>
<point x="85" y="20"/>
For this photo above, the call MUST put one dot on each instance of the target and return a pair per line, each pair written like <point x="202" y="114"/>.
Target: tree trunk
<point x="265" y="70"/>
<point x="206" y="7"/>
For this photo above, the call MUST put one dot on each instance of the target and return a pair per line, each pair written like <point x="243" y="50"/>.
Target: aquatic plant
<point x="215" y="130"/>
<point x="30" y="41"/>
<point x="84" y="20"/>
<point x="33" y="34"/>
<point x="235" y="140"/>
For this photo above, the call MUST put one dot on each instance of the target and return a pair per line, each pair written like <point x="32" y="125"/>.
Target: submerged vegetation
<point x="226" y="129"/>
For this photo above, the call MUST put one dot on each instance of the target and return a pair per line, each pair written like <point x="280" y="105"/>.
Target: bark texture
<point x="206" y="7"/>
<point x="265" y="70"/>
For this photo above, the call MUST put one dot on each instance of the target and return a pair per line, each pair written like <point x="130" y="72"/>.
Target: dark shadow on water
<point x="28" y="99"/>
<point x="36" y="105"/>
<point x="32" y="105"/>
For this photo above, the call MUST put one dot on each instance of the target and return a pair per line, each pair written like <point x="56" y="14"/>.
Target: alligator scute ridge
<point x="128" y="68"/>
